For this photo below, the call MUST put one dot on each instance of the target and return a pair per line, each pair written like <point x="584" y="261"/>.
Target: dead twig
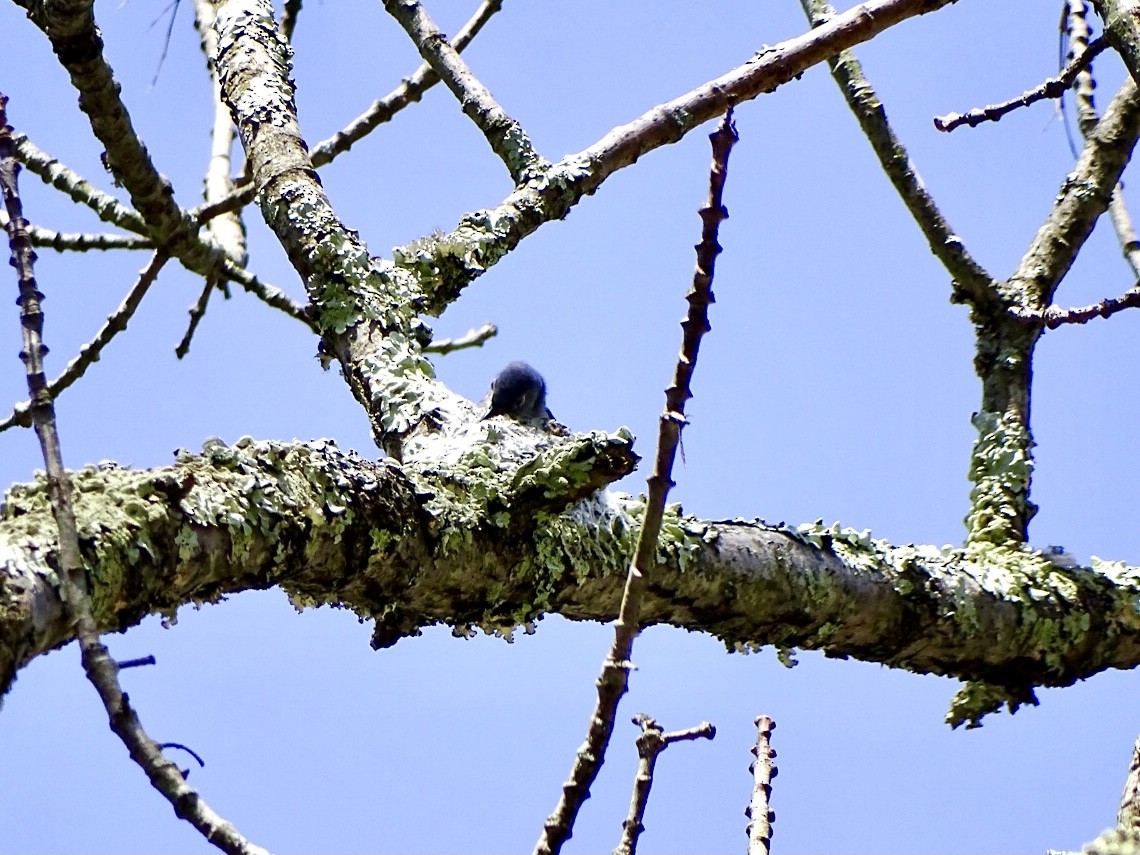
<point x="614" y="679"/>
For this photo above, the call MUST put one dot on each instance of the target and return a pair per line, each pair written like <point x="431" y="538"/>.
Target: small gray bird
<point x="519" y="392"/>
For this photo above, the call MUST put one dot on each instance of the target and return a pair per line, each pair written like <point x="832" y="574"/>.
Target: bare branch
<point x="482" y="238"/>
<point x="409" y="91"/>
<point x="269" y="294"/>
<point x="197" y="312"/>
<point x="242" y="194"/>
<point x="67" y="180"/>
<point x="97" y="662"/>
<point x="506" y="136"/>
<point x="23" y="414"/>
<point x="1053" y="87"/>
<point x="971" y="281"/>
<point x="760" y="815"/>
<point x="614" y="679"/>
<point x="1087" y="118"/>
<point x="1055" y="316"/>
<point x="1083" y="197"/>
<point x="289" y="13"/>
<point x="473" y="338"/>
<point x="80" y="241"/>
<point x="226" y="229"/>
<point x="650" y="744"/>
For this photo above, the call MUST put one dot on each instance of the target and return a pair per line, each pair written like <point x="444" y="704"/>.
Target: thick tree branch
<point x="368" y="316"/>
<point x="415" y="547"/>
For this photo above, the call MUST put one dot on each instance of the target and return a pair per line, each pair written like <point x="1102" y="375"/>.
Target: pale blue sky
<point x="836" y="382"/>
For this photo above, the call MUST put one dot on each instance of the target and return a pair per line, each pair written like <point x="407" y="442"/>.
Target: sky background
<point x="836" y="383"/>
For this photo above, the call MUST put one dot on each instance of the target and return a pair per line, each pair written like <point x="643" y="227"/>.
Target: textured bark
<point x="406" y="547"/>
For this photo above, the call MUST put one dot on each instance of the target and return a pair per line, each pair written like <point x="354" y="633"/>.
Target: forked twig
<point x="614" y="679"/>
<point x="1055" y="316"/>
<point x="650" y="744"/>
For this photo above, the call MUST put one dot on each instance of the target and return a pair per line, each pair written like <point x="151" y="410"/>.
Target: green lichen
<point x="598" y="537"/>
<point x="1001" y="466"/>
<point x="977" y="699"/>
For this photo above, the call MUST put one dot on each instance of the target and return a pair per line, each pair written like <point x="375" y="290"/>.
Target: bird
<point x="520" y="393"/>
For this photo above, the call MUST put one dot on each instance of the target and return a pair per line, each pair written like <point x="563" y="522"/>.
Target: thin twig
<point x="1087" y="118"/>
<point x="270" y="294"/>
<point x="650" y="744"/>
<point x="68" y="181"/>
<point x="1053" y="87"/>
<point x="408" y="92"/>
<point x="80" y="241"/>
<point x="474" y="338"/>
<point x="197" y="311"/>
<point x="23" y="413"/>
<point x="187" y="749"/>
<point x="505" y="135"/>
<point x="243" y="192"/>
<point x="971" y="281"/>
<point x="97" y="662"/>
<point x="614" y="679"/>
<point x="760" y="815"/>
<point x="140" y="662"/>
<point x="289" y="15"/>
<point x="1055" y="316"/>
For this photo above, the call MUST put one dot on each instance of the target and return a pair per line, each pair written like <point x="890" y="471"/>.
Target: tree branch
<point x="614" y="679"/>
<point x="1053" y="87"/>
<point x="507" y="138"/>
<point x="971" y="281"/>
<point x="80" y="241"/>
<point x="73" y="586"/>
<point x="482" y="542"/>
<point x="473" y="338"/>
<point x="446" y="264"/>
<point x="760" y="816"/>
<point x="650" y="744"/>
<point x="68" y="181"/>
<point x="90" y="352"/>
<point x="408" y="92"/>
